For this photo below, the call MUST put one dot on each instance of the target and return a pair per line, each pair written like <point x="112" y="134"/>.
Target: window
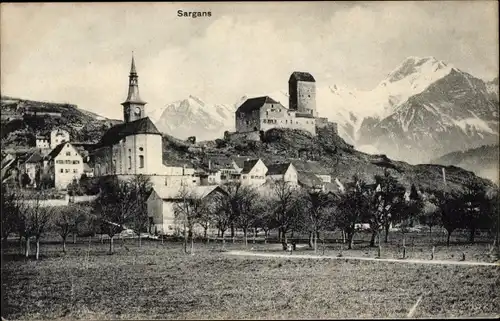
<point x="75" y="171"/>
<point x="253" y="177"/>
<point x="129" y="162"/>
<point x="59" y="162"/>
<point x="62" y="170"/>
<point x="76" y="162"/>
<point x="141" y="149"/>
<point x="66" y="170"/>
<point x="67" y="161"/>
<point x="68" y="153"/>
<point x="141" y="161"/>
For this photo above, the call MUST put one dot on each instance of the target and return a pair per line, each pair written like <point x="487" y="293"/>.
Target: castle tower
<point x="133" y="107"/>
<point x="302" y="92"/>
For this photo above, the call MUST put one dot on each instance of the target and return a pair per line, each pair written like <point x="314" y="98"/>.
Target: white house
<point x="282" y="172"/>
<point x="58" y="136"/>
<point x="162" y="202"/>
<point x="254" y="172"/>
<point x="66" y="163"/>
<point x="42" y="142"/>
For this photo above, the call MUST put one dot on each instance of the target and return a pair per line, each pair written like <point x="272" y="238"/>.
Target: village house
<point x="58" y="136"/>
<point x="42" y="142"/>
<point x="33" y="164"/>
<point x="254" y="172"/>
<point x="163" y="200"/>
<point x="314" y="167"/>
<point x="282" y="172"/>
<point x="66" y="163"/>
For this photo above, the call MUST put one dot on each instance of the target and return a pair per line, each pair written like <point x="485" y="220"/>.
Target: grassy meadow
<point x="160" y="281"/>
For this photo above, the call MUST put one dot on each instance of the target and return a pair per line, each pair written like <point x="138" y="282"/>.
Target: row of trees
<point x="118" y="205"/>
<point x="284" y="207"/>
<point x="290" y="210"/>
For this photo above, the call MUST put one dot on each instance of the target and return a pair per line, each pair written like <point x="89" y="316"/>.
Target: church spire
<point x="133" y="106"/>
<point x="132" y="66"/>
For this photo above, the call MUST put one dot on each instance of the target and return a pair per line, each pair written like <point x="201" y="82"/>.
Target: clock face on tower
<point x="137" y="111"/>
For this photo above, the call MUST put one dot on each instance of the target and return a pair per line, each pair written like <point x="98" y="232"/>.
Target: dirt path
<point x="298" y="256"/>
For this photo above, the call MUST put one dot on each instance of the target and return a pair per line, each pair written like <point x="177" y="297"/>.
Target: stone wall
<point x="251" y="135"/>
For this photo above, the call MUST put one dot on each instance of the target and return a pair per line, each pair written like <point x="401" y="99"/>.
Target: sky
<point x="80" y="53"/>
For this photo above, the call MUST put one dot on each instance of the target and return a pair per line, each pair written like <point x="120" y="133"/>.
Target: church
<point x="135" y="146"/>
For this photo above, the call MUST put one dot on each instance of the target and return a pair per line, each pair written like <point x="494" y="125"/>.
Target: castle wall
<point x="253" y="135"/>
<point x="246" y="122"/>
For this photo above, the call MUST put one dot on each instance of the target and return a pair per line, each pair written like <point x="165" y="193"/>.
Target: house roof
<point x="278" y="169"/>
<point x="53" y="153"/>
<point x="34" y="158"/>
<point x="308" y="179"/>
<point x="301" y="76"/>
<point x="218" y="162"/>
<point x="240" y="160"/>
<point x="176" y="192"/>
<point x="248" y="165"/>
<point x="256" y="103"/>
<point x="86" y="168"/>
<point x="310" y="166"/>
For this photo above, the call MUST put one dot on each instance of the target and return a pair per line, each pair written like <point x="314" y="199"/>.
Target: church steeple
<point x="133" y="106"/>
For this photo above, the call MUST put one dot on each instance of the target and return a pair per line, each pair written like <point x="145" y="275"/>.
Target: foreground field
<point x="160" y="281"/>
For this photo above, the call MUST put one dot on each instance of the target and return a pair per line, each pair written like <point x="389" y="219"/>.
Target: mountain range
<point x="423" y="109"/>
<point x="483" y="161"/>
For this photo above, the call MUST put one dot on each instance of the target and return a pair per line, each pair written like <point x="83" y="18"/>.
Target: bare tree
<point x="288" y="207"/>
<point x="352" y="206"/>
<point x="220" y="213"/>
<point x="66" y="221"/>
<point x="318" y="214"/>
<point x="10" y="208"/>
<point x="32" y="221"/>
<point x="187" y="211"/>
<point x="115" y="207"/>
<point x="140" y="187"/>
<point x="248" y="206"/>
<point x="387" y="200"/>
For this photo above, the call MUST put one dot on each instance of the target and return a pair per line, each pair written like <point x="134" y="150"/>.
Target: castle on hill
<point x="260" y="114"/>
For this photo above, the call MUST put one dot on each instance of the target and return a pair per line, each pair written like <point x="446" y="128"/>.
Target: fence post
<point x="432" y="254"/>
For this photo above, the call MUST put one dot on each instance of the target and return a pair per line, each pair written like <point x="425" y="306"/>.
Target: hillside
<point x="483" y="161"/>
<point x="22" y="120"/>
<point x="340" y="158"/>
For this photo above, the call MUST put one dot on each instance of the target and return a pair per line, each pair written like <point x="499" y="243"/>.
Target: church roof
<point x="301" y="76"/>
<point x="256" y="103"/>
<point x="132" y="66"/>
<point x="117" y="132"/>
